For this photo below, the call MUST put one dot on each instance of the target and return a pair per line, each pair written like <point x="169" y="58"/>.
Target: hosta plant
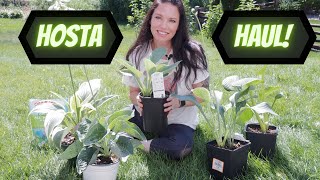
<point x="223" y="118"/>
<point x="60" y="121"/>
<point x="151" y="66"/>
<point x="113" y="136"/>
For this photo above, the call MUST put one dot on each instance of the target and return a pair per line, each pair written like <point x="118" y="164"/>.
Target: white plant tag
<point x="217" y="165"/>
<point x="158" y="85"/>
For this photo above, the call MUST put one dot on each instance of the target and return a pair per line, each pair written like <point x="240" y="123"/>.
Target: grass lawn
<point x="298" y="142"/>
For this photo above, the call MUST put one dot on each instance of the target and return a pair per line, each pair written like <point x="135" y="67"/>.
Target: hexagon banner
<point x="70" y="37"/>
<point x="264" y="37"/>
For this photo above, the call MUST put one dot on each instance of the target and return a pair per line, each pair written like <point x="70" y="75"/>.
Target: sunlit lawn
<point x="298" y="143"/>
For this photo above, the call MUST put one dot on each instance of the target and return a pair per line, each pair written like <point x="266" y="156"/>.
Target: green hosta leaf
<point x="103" y="100"/>
<point x="119" y="114"/>
<point x="240" y="105"/>
<point x="85" y="157"/>
<point x="122" y="148"/>
<point x="245" y="115"/>
<point x="95" y="133"/>
<point x="263" y="108"/>
<point x="157" y="55"/>
<point x="203" y="94"/>
<point x="53" y="119"/>
<point x="72" y="151"/>
<point x="88" y="90"/>
<point x="129" y="128"/>
<point x="83" y="129"/>
<point x="228" y="81"/>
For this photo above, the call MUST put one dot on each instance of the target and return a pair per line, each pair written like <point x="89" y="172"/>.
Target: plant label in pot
<point x="158" y="85"/>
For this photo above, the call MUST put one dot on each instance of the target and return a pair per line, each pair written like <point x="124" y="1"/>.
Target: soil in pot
<point x="154" y="118"/>
<point x="227" y="162"/>
<point x="262" y="144"/>
<point x="105" y="167"/>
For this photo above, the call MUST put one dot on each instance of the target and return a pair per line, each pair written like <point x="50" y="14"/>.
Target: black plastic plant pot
<point x="262" y="144"/>
<point x="227" y="163"/>
<point x="154" y="118"/>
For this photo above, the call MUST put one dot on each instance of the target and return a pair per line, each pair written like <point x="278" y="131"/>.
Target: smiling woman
<point x="165" y="27"/>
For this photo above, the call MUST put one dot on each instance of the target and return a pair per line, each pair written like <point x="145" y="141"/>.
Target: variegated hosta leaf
<point x="95" y="133"/>
<point x="263" y="108"/>
<point x="58" y="134"/>
<point x="122" y="147"/>
<point x="245" y="81"/>
<point x="88" y="90"/>
<point x="157" y="55"/>
<point x="72" y="151"/>
<point x="150" y="67"/>
<point x="83" y="129"/>
<point x="131" y="129"/>
<point x="45" y="106"/>
<point x="53" y="119"/>
<point x="87" y="107"/>
<point x="60" y="97"/>
<point x="217" y="96"/>
<point x="227" y="82"/>
<point x="203" y="94"/>
<point x="130" y="68"/>
<point x="85" y="157"/>
<point x="166" y="70"/>
<point x="75" y="103"/>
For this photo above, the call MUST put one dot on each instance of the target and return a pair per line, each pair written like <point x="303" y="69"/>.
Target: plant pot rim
<point x="256" y="123"/>
<point x="245" y="143"/>
<point x="167" y="93"/>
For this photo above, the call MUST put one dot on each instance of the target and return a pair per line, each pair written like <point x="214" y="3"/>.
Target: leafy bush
<point x="12" y="14"/>
<point x="214" y="15"/>
<point x="289" y="5"/>
<point x="139" y="9"/>
<point x="247" y="5"/>
<point x="119" y="8"/>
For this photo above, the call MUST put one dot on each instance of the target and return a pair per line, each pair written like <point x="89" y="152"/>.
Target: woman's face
<point x="164" y="22"/>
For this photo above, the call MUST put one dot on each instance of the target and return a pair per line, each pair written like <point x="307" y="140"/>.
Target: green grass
<point x="298" y="142"/>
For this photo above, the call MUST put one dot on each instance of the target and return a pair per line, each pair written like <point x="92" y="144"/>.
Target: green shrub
<point x="139" y="9"/>
<point x="214" y="14"/>
<point x="120" y="9"/>
<point x="12" y="14"/>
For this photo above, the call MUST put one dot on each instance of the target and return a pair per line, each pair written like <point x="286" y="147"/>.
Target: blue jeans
<point x="176" y="141"/>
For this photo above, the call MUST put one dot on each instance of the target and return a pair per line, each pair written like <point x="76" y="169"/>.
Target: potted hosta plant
<point x="227" y="155"/>
<point x="61" y="123"/>
<point x="154" y="118"/>
<point x="102" y="143"/>
<point x="262" y="134"/>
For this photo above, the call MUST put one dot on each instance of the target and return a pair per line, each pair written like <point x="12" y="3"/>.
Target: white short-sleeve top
<point x="185" y="115"/>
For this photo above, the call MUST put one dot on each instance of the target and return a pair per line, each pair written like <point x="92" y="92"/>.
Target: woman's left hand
<point x="172" y="103"/>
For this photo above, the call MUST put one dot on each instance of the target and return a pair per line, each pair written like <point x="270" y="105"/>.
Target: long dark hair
<point x="190" y="52"/>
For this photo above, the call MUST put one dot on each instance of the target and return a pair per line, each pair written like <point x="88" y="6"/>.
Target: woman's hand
<point x="172" y="103"/>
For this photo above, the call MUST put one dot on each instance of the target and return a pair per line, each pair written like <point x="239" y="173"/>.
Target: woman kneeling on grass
<point x="165" y="26"/>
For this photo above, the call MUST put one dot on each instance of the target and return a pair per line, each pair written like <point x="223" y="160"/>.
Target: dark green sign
<point x="70" y="37"/>
<point x="264" y="37"/>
